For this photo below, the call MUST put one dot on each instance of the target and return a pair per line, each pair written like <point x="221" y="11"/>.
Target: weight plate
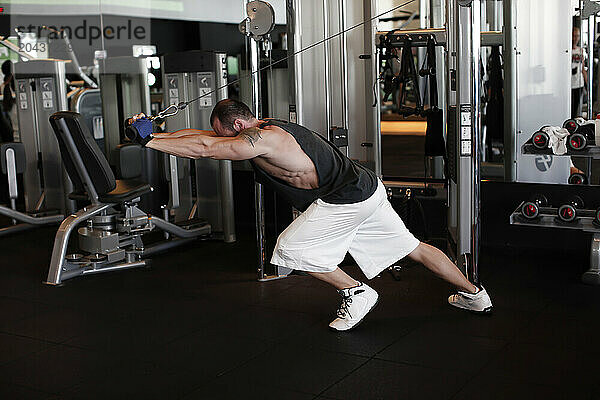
<point x="577" y="141"/>
<point x="530" y="210"/>
<point x="567" y="213"/>
<point x="570" y="125"/>
<point x="577" y="179"/>
<point x="540" y="140"/>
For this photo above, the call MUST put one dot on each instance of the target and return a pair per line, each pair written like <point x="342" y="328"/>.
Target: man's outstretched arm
<point x="184" y="132"/>
<point x="248" y="144"/>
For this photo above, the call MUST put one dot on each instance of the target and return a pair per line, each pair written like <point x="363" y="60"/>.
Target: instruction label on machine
<point x="205" y="86"/>
<point x="46" y="86"/>
<point x="294" y="115"/>
<point x="22" y="88"/>
<point x="173" y="86"/>
<point x="466" y="130"/>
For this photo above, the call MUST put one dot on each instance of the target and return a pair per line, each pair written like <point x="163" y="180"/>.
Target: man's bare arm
<point x="184" y="132"/>
<point x="216" y="147"/>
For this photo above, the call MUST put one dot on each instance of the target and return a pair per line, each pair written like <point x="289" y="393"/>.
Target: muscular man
<point x="344" y="206"/>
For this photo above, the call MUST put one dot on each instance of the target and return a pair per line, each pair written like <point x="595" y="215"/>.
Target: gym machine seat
<point x="12" y="163"/>
<point x="125" y="189"/>
<point x="112" y="236"/>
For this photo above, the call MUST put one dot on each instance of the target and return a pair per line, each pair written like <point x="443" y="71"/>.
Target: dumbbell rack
<point x="584" y="222"/>
<point x="548" y="219"/>
<point x="590" y="151"/>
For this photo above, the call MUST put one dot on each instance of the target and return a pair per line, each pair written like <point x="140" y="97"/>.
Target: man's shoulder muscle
<point x="265" y="140"/>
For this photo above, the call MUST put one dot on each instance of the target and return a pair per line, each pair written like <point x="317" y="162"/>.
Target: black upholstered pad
<point x="126" y="189"/>
<point x="95" y="163"/>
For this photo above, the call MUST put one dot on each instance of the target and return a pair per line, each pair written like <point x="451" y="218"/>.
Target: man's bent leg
<point x="357" y="299"/>
<point x="337" y="278"/>
<point x="438" y="263"/>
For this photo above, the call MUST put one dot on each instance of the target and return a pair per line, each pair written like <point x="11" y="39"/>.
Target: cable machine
<point x="463" y="103"/>
<point x="461" y="40"/>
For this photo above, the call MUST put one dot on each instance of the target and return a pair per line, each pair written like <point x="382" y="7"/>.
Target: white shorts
<point x="318" y="240"/>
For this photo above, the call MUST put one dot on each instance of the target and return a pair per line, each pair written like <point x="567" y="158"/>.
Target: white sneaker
<point x="356" y="304"/>
<point x="479" y="302"/>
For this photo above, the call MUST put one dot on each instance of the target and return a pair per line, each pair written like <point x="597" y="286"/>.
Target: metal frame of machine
<point x="13" y="162"/>
<point x="189" y="75"/>
<point x="462" y="51"/>
<point x="257" y="27"/>
<point x="340" y="99"/>
<point x="40" y="92"/>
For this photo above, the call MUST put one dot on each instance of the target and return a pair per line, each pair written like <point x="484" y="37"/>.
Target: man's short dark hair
<point x="228" y="110"/>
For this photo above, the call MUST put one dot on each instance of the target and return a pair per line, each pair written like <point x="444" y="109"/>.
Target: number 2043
<point x="29" y="47"/>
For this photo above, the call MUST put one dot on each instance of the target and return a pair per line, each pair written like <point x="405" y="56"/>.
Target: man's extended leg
<point x="438" y="263"/>
<point x="469" y="296"/>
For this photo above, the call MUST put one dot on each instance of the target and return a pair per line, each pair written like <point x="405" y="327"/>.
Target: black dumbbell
<point x="531" y="208"/>
<point x="540" y="139"/>
<point x="567" y="212"/>
<point x="577" y="179"/>
<point x="571" y="125"/>
<point x="597" y="217"/>
<point x="584" y="136"/>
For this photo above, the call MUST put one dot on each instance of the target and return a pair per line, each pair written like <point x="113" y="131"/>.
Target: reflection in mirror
<point x="556" y="131"/>
<point x="405" y="151"/>
<point x="48" y="66"/>
<point x="58" y="31"/>
<point x="402" y="126"/>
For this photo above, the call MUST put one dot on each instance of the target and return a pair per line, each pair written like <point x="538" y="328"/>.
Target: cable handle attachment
<point x="170" y="111"/>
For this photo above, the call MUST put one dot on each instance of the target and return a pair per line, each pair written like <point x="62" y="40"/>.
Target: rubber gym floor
<point x="197" y="325"/>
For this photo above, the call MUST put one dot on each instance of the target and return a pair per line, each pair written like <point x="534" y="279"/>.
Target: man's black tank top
<point x="341" y="180"/>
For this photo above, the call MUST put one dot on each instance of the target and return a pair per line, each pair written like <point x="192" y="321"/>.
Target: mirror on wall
<point x="556" y="99"/>
<point x="404" y="152"/>
<point x="532" y="76"/>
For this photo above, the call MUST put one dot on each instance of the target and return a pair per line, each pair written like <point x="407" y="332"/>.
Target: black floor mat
<point x="197" y="325"/>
